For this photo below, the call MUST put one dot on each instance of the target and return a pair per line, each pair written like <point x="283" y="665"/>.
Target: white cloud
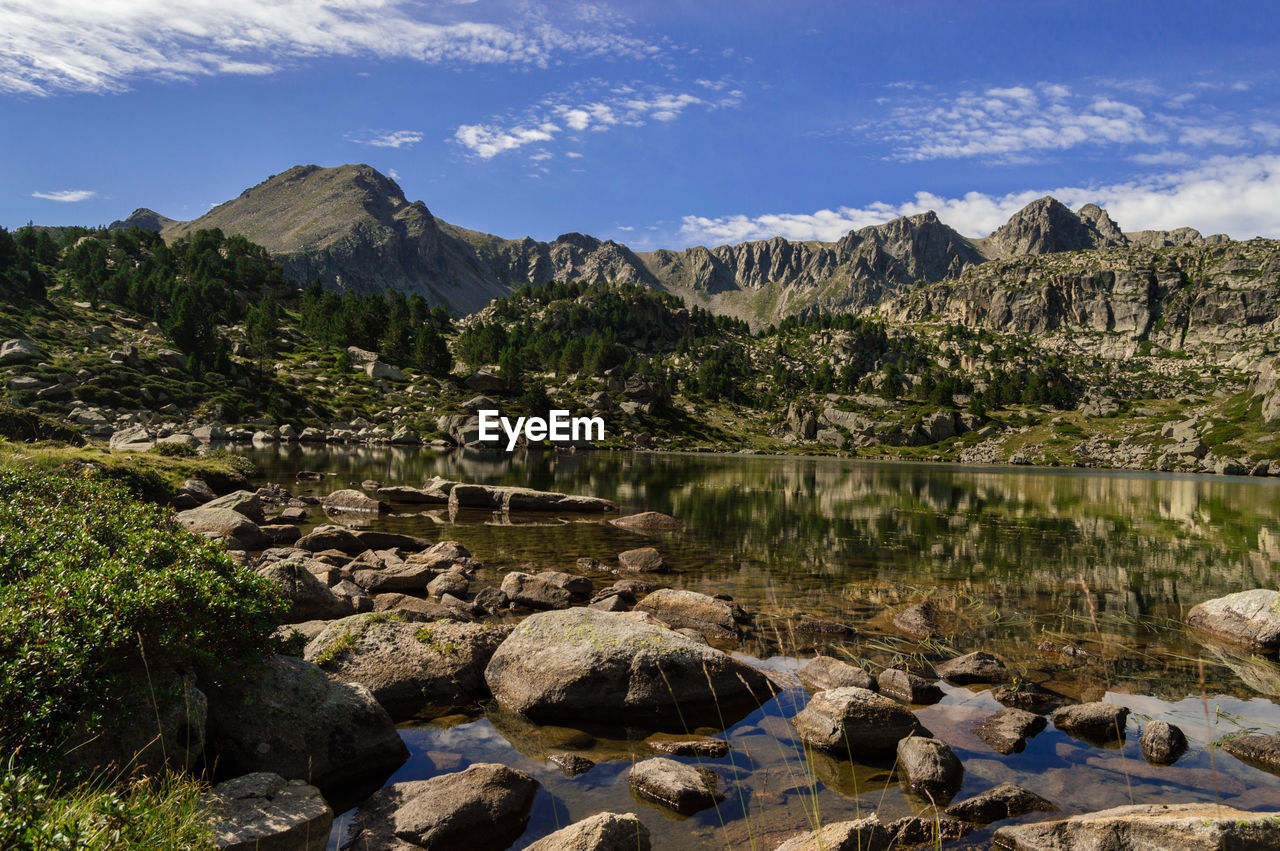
<point x="1235" y="195"/>
<point x="625" y="105"/>
<point x="1016" y="123"/>
<point x="103" y="45"/>
<point x="393" y="174"/>
<point x="394" y="139"/>
<point x="69" y="196"/>
<point x="487" y="141"/>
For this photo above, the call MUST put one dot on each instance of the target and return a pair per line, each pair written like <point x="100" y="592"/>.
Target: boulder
<point x="408" y="666"/>
<point x="1097" y="722"/>
<point x="264" y="812"/>
<point x="1026" y="695"/>
<point x="308" y="597"/>
<point x="451" y="583"/>
<point x="913" y="831"/>
<point x="824" y="673"/>
<point x="1003" y="802"/>
<point x="586" y="664"/>
<point x="1260" y="751"/>
<point x="907" y="687"/>
<point x="1007" y="731"/>
<point x="600" y="832"/>
<point x="18" y="351"/>
<point x="483" y="381"/>
<point x="1162" y="743"/>
<point x="977" y="667"/>
<point x="1247" y="619"/>
<point x="642" y="560"/>
<point x="579" y="586"/>
<point x="677" y="786"/>
<point x="400" y="577"/>
<point x="485" y="808"/>
<point x="1188" y="827"/>
<point x="571" y="764"/>
<point x="691" y="610"/>
<point x="649" y="521"/>
<point x="376" y="539"/>
<point x="379" y="370"/>
<point x="353" y="501"/>
<point x="284" y="715"/>
<point x="929" y="768"/>
<point x="534" y="592"/>
<point x="132" y="439"/>
<point x="855" y="719"/>
<point x="402" y="493"/>
<point x="865" y="834"/>
<point x="323" y="538"/>
<point x="231" y="527"/>
<point x="701" y="747"/>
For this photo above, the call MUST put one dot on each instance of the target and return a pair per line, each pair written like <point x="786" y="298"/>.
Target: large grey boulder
<point x="600" y="832"/>
<point x="350" y="500"/>
<point x="919" y="621"/>
<point x="587" y="664"/>
<point x="676" y="785"/>
<point x="331" y="537"/>
<point x="485" y="808"/>
<point x="534" y="592"/>
<point x="855" y="719"/>
<point x="690" y="610"/>
<point x="408" y="666"/>
<point x="264" y="812"/>
<point x="1098" y="722"/>
<point x="977" y="667"/>
<point x="284" y="715"/>
<point x="1007" y="731"/>
<point x="642" y="560"/>
<point x="1162" y="743"/>
<point x="648" y="521"/>
<point x="1187" y="827"/>
<point x="18" y="351"/>
<point x="908" y="687"/>
<point x="131" y="439"/>
<point x="1247" y="619"/>
<point x="224" y="524"/>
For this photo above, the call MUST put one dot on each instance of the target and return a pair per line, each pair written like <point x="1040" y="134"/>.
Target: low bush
<point x="89" y="579"/>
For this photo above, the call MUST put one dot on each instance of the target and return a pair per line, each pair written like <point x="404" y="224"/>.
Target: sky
<point x="655" y="124"/>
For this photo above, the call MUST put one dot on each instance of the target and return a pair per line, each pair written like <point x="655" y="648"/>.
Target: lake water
<point x="1023" y="562"/>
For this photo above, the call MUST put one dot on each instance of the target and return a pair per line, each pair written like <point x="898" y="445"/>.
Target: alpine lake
<point x="1079" y="580"/>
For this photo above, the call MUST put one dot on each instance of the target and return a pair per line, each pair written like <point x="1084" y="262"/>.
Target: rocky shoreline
<point x="394" y="627"/>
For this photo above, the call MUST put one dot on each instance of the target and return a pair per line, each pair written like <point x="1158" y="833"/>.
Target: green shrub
<point x="174" y="450"/>
<point x="88" y="576"/>
<point x="166" y="813"/>
<point x="17" y="424"/>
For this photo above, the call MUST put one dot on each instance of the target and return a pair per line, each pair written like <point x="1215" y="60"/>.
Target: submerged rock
<point x="919" y="621"/>
<point x="600" y="832"/>
<point x="977" y="667"/>
<point x="1183" y="826"/>
<point x="907" y="687"/>
<point x="486" y="808"/>
<point x="1257" y="750"/>
<point x="353" y="501"/>
<point x="857" y="719"/>
<point x="586" y="664"/>
<point x="675" y="785"/>
<point x="910" y="831"/>
<point x="1248" y="619"/>
<point x="264" y="811"/>
<point x="704" y="747"/>
<point x="649" y="521"/>
<point x="642" y="560"/>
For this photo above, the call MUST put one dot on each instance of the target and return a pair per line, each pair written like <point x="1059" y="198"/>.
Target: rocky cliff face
<point x="1047" y="226"/>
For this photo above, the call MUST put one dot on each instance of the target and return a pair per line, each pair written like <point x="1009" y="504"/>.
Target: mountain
<point x="143" y="219"/>
<point x="353" y="229"/>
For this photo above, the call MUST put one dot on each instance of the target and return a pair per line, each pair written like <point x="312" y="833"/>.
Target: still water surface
<point x="1024" y="563"/>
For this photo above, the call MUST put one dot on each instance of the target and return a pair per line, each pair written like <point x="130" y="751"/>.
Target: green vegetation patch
<point x="90" y="578"/>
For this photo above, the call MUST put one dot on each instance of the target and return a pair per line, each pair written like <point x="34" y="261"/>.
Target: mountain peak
<point x="1047" y="226"/>
<point x="144" y="219"/>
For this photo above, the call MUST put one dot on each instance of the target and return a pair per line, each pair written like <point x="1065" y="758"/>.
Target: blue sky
<point x="655" y="124"/>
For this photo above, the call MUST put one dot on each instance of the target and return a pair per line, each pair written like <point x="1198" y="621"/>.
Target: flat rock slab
<point x="690" y="610"/>
<point x="826" y="672"/>
<point x="1007" y="731"/>
<point x="583" y="664"/>
<point x="1028" y="696"/>
<point x="977" y="667"/>
<point x="855" y="719"/>
<point x="865" y="834"/>
<point x="1003" y="802"/>
<point x="402" y="493"/>
<point x="705" y="747"/>
<point x="675" y="785"/>
<point x="600" y="832"/>
<point x="1097" y="723"/>
<point x="330" y="537"/>
<point x="1187" y="827"/>
<point x="1245" y="619"/>
<point x="486" y="807"/>
<point x="353" y="501"/>
<point x="265" y="812"/>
